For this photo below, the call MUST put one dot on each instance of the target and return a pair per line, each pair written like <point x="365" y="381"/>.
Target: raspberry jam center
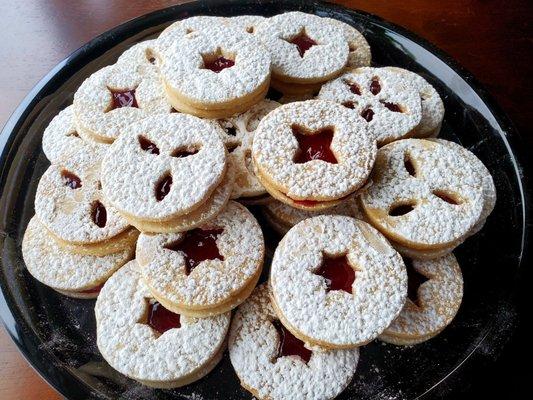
<point x="337" y="272"/>
<point x="161" y="319"/>
<point x="414" y="280"/>
<point x="290" y="345"/>
<point x="198" y="245"/>
<point x="218" y="64"/>
<point x="303" y="42"/>
<point x="125" y="98"/>
<point x="314" y="146"/>
<point x="99" y="214"/>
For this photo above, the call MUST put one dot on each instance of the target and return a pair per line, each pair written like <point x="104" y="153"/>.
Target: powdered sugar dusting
<point x="337" y="318"/>
<point x="359" y="51"/>
<point x="135" y="350"/>
<point x="212" y="282"/>
<point x="62" y="270"/>
<point x="253" y="346"/>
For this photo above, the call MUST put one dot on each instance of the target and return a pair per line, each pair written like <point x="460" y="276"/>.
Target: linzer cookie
<point x="389" y="104"/>
<point x="141" y="339"/>
<point x="306" y="51"/>
<point x="60" y="137"/>
<point x="74" y="275"/>
<point x="273" y="364"/>
<point x="425" y="195"/>
<point x="313" y="154"/>
<point x="167" y="173"/>
<point x="432" y="106"/>
<point x="336" y="282"/>
<point x="238" y="136"/>
<point x="208" y="270"/>
<point x="435" y="290"/>
<point x="214" y="72"/>
<point x="70" y="204"/>
<point x="115" y="97"/>
<point x="283" y="217"/>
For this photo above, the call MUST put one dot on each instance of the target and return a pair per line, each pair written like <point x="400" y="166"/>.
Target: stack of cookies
<point x="152" y="167"/>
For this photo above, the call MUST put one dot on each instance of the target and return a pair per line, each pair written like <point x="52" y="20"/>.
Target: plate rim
<point x="98" y="45"/>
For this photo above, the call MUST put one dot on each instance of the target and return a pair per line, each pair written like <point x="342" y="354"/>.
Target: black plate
<point x="57" y="334"/>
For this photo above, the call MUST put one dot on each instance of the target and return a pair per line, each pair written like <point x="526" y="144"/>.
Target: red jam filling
<point x="218" y="64"/>
<point x="99" y="214"/>
<point x="161" y="319"/>
<point x="71" y="180"/>
<point x="414" y="280"/>
<point x="198" y="245"/>
<point x="95" y="289"/>
<point x="148" y="145"/>
<point x="375" y="87"/>
<point x="392" y="106"/>
<point x="303" y="42"/>
<point x="354" y="88"/>
<point x="314" y="146"/>
<point x="124" y="98"/>
<point x="367" y="114"/>
<point x="338" y="273"/>
<point x="289" y="345"/>
<point x="163" y="187"/>
<point x="349" y="104"/>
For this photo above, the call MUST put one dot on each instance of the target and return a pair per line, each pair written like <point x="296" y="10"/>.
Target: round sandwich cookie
<point x="432" y="105"/>
<point x="143" y="340"/>
<point x="168" y="172"/>
<point x="389" y="104"/>
<point x="273" y="364"/>
<point x="70" y="204"/>
<point x="214" y="72"/>
<point x="74" y="275"/>
<point x="61" y="136"/>
<point x="313" y="154"/>
<point x="238" y="136"/>
<point x="283" y="217"/>
<point x="336" y="282"/>
<point x="435" y="291"/>
<point x="208" y="270"/>
<point x="306" y="51"/>
<point x="117" y="96"/>
<point x="425" y="195"/>
<point x="489" y="189"/>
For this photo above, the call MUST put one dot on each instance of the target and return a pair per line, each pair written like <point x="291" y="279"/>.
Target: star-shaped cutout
<point x="198" y="245"/>
<point x="337" y="272"/>
<point x="159" y="318"/>
<point x="314" y="145"/>
<point x="302" y="42"/>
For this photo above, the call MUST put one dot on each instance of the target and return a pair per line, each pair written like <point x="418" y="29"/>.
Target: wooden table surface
<point x="493" y="39"/>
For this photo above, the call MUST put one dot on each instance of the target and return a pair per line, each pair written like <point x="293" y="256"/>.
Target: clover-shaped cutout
<point x="314" y="145"/>
<point x="337" y="272"/>
<point x="302" y="42"/>
<point x="123" y="98"/>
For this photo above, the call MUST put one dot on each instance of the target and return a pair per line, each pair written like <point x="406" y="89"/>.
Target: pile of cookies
<point x="144" y="205"/>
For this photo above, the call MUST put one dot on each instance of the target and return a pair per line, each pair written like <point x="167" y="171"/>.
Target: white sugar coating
<point x="183" y="72"/>
<point x="68" y="213"/>
<point x="337" y="318"/>
<point x="321" y="62"/>
<point x="253" y="349"/>
<point x="387" y="125"/>
<point x="130" y="174"/>
<point x="432" y="105"/>
<point x="93" y="101"/>
<point x="359" y="55"/>
<point x="248" y="23"/>
<point x="288" y="216"/>
<point x="275" y="146"/>
<point x="134" y="349"/>
<point x="139" y="59"/>
<point x="190" y="25"/>
<point x="211" y="282"/>
<point x="61" y="270"/>
<point x="439" y="170"/>
<point x="489" y="189"/>
<point x="240" y="146"/>
<point x="439" y="299"/>
<point x="60" y="136"/>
